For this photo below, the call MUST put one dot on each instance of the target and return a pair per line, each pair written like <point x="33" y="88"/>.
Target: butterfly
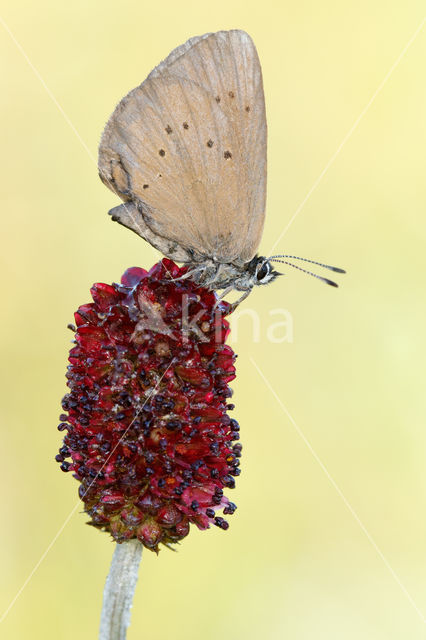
<point x="186" y="152"/>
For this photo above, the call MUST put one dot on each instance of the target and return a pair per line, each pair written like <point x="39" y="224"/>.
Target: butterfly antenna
<point x="310" y="273"/>
<point x="320" y="264"/>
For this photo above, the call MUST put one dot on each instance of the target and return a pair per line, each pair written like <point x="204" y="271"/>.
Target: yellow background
<point x="296" y="563"/>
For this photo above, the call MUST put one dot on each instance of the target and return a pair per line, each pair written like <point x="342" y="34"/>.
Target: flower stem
<point x="119" y="589"/>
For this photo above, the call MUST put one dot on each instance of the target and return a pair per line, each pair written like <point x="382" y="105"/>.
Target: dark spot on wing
<point x="231" y="94"/>
<point x="247" y="108"/>
<point x="162" y="153"/>
<point x="185" y="125"/>
<point x="210" y="143"/>
<point x="169" y="129"/>
<point x="217" y="98"/>
<point x="159" y="175"/>
<point x="227" y="155"/>
<point x="145" y="186"/>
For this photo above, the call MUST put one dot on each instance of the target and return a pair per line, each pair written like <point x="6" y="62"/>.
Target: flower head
<point x="148" y="435"/>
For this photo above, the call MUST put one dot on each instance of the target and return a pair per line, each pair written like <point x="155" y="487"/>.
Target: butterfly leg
<point x="234" y="305"/>
<point x="214" y="277"/>
<point x="223" y="294"/>
<point x="188" y="274"/>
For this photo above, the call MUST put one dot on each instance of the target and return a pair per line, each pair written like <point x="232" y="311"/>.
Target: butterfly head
<point x="260" y="271"/>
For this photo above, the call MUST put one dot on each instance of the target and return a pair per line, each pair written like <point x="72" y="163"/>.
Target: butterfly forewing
<point x="189" y="146"/>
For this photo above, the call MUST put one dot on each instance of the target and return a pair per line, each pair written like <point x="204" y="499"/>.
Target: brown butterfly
<point x="186" y="152"/>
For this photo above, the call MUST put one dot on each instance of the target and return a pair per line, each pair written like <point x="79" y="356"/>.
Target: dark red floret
<point x="147" y="431"/>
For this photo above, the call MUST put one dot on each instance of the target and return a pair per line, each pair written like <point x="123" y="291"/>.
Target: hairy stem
<point x="119" y="589"/>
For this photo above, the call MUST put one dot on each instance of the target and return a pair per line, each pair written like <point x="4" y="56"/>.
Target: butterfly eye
<point x="263" y="271"/>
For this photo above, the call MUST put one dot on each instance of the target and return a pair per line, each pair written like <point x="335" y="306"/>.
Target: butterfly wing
<point x="188" y="148"/>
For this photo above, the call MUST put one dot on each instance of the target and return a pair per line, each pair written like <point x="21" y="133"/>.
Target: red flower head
<point x="147" y="430"/>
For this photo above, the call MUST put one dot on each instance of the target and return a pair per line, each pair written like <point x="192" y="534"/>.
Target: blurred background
<point x="329" y="537"/>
